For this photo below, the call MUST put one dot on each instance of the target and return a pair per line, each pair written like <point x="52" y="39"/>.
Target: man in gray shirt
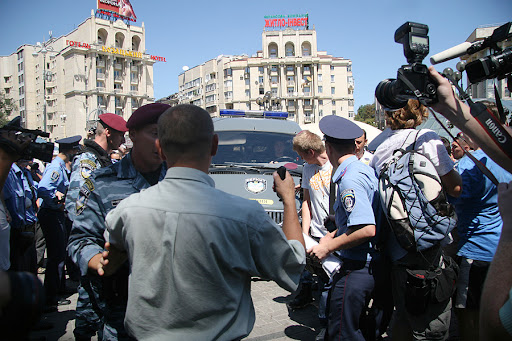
<point x="192" y="248"/>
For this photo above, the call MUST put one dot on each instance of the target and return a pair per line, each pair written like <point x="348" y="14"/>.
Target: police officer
<point x="100" y="193"/>
<point x="20" y="200"/>
<point x="52" y="190"/>
<point x="356" y="200"/>
<point x="108" y="135"/>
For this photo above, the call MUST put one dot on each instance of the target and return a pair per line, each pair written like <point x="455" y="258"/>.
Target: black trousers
<point x="53" y="224"/>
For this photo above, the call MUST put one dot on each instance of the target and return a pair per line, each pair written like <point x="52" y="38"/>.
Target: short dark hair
<point x="185" y="129"/>
<point x="343" y="146"/>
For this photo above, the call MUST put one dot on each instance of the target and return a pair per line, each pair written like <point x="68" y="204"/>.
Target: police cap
<point x="114" y="121"/>
<point x="67" y="143"/>
<point x="147" y="114"/>
<point x="337" y="128"/>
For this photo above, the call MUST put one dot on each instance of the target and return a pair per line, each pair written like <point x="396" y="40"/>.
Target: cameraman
<point x="20" y="304"/>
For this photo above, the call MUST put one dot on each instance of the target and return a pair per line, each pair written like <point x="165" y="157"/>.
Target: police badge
<point x="348" y="199"/>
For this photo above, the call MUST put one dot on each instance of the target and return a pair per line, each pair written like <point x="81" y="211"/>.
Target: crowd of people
<point x="159" y="253"/>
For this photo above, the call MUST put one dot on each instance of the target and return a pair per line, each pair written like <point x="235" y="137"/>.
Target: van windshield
<point x="254" y="147"/>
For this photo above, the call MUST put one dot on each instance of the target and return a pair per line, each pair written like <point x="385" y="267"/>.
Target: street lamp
<point x="44" y="48"/>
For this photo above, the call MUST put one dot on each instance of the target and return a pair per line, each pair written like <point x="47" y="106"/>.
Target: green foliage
<point x="366" y="114"/>
<point x="7" y="106"/>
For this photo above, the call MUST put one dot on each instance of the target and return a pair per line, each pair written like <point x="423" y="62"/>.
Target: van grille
<point x="276" y="216"/>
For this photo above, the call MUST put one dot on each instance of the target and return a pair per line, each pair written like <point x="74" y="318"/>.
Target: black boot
<point x="303" y="298"/>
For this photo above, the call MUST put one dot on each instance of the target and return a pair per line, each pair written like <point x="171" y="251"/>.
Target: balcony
<point x="134" y="68"/>
<point x="118" y="79"/>
<point x="100" y="76"/>
<point x="119" y="105"/>
<point x="100" y="63"/>
<point x="291" y="108"/>
<point x="118" y="66"/>
<point x="309" y="119"/>
<point x="134" y="81"/>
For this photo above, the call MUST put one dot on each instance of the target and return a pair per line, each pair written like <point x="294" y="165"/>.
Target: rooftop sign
<point x="116" y="9"/>
<point x="295" y="21"/>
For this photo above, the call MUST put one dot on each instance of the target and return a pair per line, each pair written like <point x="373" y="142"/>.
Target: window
<point x="332" y="67"/>
<point x="210" y="98"/>
<point x="100" y="84"/>
<point x="333" y="91"/>
<point x="274" y="91"/>
<point x="289" y="50"/>
<point x="349" y="68"/>
<point x="332" y="78"/>
<point x="22" y="102"/>
<point x="307" y="102"/>
<point x="247" y="93"/>
<point x="262" y="91"/>
<point x="247" y="81"/>
<point x="260" y="69"/>
<point x="307" y="90"/>
<point x="228" y="94"/>
<point x="351" y="102"/>
<point x="21" y="90"/>
<point x="290" y="80"/>
<point x="333" y="102"/>
<point x="101" y="101"/>
<point x="321" y="112"/>
<point x="306" y="49"/>
<point x="320" y="89"/>
<point x="7" y="90"/>
<point x="260" y="79"/>
<point x="320" y="102"/>
<point x="273" y="68"/>
<point x="290" y="91"/>
<point x="20" y="55"/>
<point x="272" y="50"/>
<point x="228" y="83"/>
<point x="228" y="72"/>
<point x="334" y="112"/>
<point x="273" y="79"/>
<point x="319" y="77"/>
<point x="290" y="68"/>
<point x="307" y="68"/>
<point x="118" y="86"/>
<point x="351" y="114"/>
<point x="134" y="87"/>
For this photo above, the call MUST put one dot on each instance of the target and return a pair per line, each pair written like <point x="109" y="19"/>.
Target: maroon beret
<point x="147" y="114"/>
<point x="114" y="121"/>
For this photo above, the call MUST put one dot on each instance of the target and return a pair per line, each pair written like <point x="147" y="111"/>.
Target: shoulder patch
<point x="348" y="199"/>
<point x="86" y="168"/>
<point x="85" y="191"/>
<point x="55" y="176"/>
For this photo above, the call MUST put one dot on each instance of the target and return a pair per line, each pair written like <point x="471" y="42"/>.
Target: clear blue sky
<point x="192" y="32"/>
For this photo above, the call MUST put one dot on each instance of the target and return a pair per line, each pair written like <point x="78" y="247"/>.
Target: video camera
<point x="413" y="80"/>
<point x="497" y="65"/>
<point x="40" y="150"/>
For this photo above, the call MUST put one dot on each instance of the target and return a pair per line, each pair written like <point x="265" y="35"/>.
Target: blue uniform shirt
<point x="356" y="202"/>
<point x="19" y="198"/>
<point x="479" y="221"/>
<point x="55" y="178"/>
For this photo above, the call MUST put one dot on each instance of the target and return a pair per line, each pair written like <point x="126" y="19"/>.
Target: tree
<point x="7" y="106"/>
<point x="366" y="114"/>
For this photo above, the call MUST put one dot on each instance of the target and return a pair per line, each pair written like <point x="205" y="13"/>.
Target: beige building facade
<point x="288" y="74"/>
<point x="62" y="85"/>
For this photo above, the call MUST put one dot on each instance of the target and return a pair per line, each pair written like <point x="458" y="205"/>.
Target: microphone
<point x="452" y="52"/>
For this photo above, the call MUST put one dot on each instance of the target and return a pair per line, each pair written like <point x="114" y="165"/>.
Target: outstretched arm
<point x="459" y="114"/>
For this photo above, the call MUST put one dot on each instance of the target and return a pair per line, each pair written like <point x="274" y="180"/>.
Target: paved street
<point x="273" y="322"/>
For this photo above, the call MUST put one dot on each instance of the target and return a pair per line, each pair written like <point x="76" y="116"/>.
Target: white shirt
<point x="317" y="180"/>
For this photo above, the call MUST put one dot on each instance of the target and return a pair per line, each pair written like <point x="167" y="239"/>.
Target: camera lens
<point x="388" y="94"/>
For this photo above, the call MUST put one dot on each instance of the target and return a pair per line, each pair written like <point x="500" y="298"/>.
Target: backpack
<point x="413" y="199"/>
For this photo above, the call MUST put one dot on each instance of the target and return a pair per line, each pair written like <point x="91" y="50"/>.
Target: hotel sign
<point x="121" y="52"/>
<point x="286" y="21"/>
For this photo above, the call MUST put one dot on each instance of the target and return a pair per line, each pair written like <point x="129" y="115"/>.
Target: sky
<point x="189" y="33"/>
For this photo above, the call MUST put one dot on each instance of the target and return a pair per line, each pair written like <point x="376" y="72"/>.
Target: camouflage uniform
<point x="99" y="194"/>
<point x="88" y="318"/>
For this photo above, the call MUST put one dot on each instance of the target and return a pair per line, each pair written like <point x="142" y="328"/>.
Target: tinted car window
<point x="254" y="147"/>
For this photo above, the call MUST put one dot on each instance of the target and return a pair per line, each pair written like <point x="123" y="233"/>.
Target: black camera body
<point x="413" y="80"/>
<point x="39" y="150"/>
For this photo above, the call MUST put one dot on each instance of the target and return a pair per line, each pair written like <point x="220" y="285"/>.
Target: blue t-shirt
<point x="356" y="202"/>
<point x="479" y="221"/>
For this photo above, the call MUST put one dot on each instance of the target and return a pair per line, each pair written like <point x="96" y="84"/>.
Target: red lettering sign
<point x="290" y="22"/>
<point x="78" y="44"/>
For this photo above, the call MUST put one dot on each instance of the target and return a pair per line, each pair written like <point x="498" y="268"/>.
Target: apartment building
<point x="62" y="84"/>
<point x="288" y="74"/>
